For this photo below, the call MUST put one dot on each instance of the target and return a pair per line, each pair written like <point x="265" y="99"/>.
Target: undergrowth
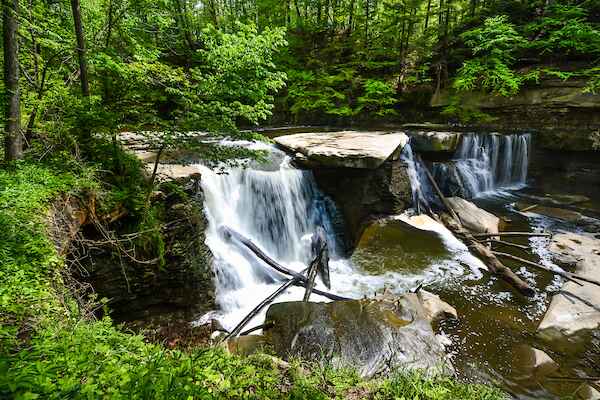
<point x="49" y="350"/>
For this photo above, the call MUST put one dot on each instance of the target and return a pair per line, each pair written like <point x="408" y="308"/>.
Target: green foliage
<point x="378" y="98"/>
<point x="493" y="46"/>
<point x="416" y="386"/>
<point x="29" y="262"/>
<point x="564" y="30"/>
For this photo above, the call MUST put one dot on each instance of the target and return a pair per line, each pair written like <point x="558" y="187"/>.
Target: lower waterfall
<point x="278" y="207"/>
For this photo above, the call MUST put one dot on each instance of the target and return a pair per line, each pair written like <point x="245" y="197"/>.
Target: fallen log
<point x="567" y="275"/>
<point x="485" y="254"/>
<point x="486" y="235"/>
<point x="445" y="202"/>
<point x="302" y="280"/>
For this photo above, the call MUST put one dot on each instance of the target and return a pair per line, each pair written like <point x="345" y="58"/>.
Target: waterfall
<point x="279" y="207"/>
<point x="484" y="163"/>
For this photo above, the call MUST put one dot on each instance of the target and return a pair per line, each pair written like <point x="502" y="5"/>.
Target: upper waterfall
<point x="484" y="163"/>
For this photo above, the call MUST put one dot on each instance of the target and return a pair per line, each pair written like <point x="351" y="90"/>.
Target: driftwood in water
<point x="445" y="202"/>
<point x="510" y="244"/>
<point x="312" y="275"/>
<point x="484" y="253"/>
<point x="320" y="263"/>
<point x="487" y="256"/>
<point x="318" y="245"/>
<point x="235" y="331"/>
<point x="567" y="275"/>
<point x="301" y="279"/>
<point x="268" y="325"/>
<point x="487" y="235"/>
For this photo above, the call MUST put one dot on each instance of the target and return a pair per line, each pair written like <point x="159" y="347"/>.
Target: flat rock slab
<point x="575" y="310"/>
<point x="347" y="149"/>
<point x="373" y="336"/>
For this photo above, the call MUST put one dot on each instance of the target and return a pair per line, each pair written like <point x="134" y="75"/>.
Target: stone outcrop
<point x="575" y="309"/>
<point x="361" y="171"/>
<point x="363" y="194"/>
<point x="434" y="141"/>
<point x="561" y="115"/>
<point x="172" y="166"/>
<point x="473" y="218"/>
<point x="184" y="283"/>
<point x="372" y="336"/>
<point x="346" y="149"/>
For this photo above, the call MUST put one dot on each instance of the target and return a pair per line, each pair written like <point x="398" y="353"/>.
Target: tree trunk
<point x="427" y="15"/>
<point x="13" y="141"/>
<point x="83" y="73"/>
<point x="351" y="17"/>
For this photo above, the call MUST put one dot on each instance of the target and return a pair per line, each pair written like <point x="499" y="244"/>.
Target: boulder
<point x="436" y="308"/>
<point x="246" y="345"/>
<point x="575" y="309"/>
<point x="173" y="172"/>
<point x="432" y="141"/>
<point x="474" y="218"/>
<point x="373" y="336"/>
<point x="346" y="149"/>
<point x="394" y="245"/>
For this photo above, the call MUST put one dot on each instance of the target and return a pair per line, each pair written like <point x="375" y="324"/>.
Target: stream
<point x="279" y="206"/>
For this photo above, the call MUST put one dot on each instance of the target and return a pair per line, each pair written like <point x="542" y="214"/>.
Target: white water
<point x="278" y="207"/>
<point x="485" y="163"/>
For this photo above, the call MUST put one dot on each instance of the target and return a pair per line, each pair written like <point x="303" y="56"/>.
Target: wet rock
<point x="346" y="149"/>
<point x="552" y="212"/>
<point x="474" y="218"/>
<point x="394" y="245"/>
<point x="530" y="362"/>
<point x="247" y="345"/>
<point x="567" y="199"/>
<point x="432" y="141"/>
<point x="373" y="336"/>
<point x="364" y="194"/>
<point x="575" y="309"/>
<point x="436" y="308"/>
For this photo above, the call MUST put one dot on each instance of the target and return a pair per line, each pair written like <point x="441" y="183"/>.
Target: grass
<point x="48" y="350"/>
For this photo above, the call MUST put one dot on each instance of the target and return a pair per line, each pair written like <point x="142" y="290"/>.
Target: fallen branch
<point x="486" y="235"/>
<point x="515" y="245"/>
<point x="495" y="266"/>
<point x="259" y="308"/>
<point x="567" y="275"/>
<point x="302" y="280"/>
<point x="312" y="275"/>
<point x="261" y="326"/>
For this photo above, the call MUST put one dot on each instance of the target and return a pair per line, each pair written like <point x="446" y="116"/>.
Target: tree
<point x="83" y="72"/>
<point x="13" y="142"/>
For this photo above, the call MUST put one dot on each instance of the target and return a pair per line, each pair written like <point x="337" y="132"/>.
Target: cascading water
<point x="484" y="163"/>
<point x="278" y="207"/>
